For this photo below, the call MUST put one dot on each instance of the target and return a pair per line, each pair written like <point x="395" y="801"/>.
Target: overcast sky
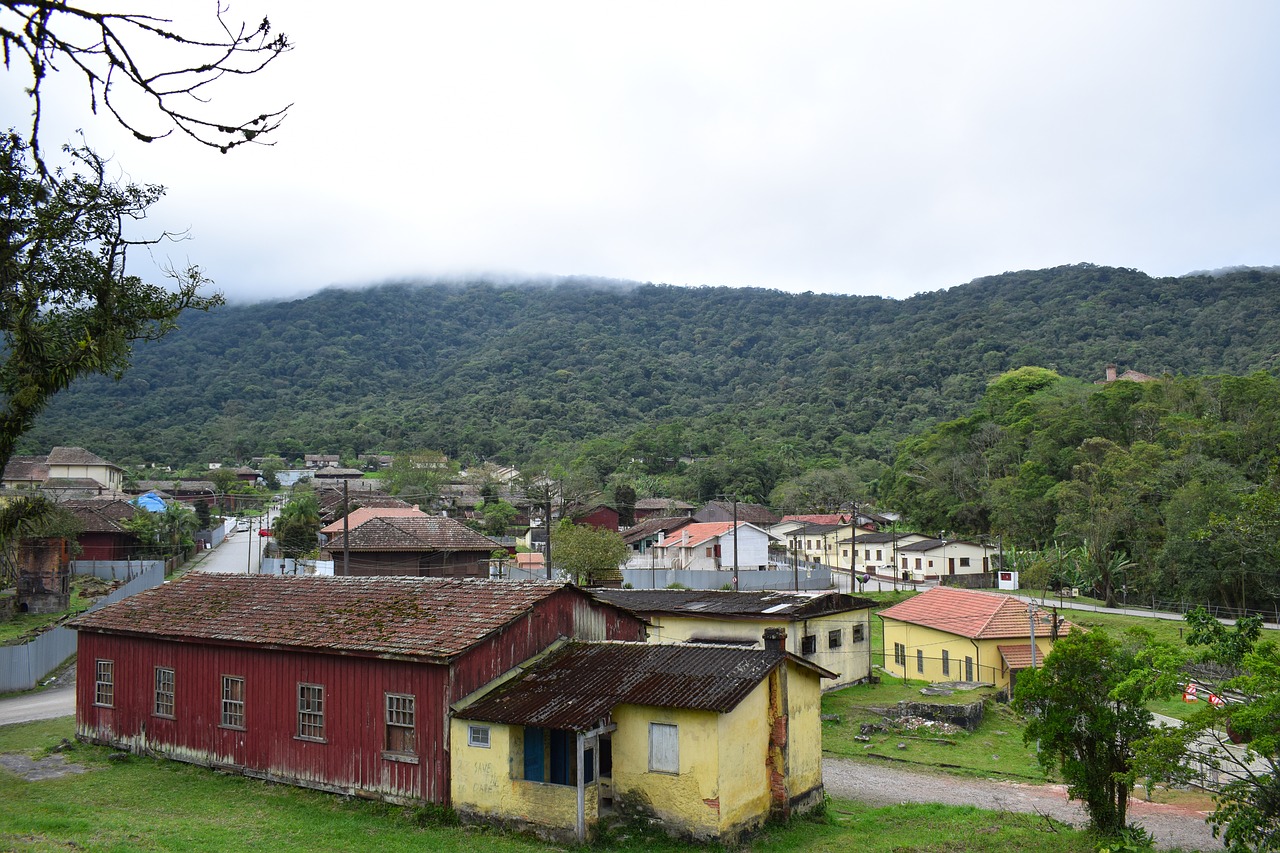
<point x="865" y="148"/>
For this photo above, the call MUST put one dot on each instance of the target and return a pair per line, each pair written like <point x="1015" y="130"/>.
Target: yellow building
<point x="829" y="629"/>
<point x="709" y="740"/>
<point x="948" y="634"/>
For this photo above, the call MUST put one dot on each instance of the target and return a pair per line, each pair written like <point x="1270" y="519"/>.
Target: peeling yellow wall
<point x="485" y="781"/>
<point x="851" y="660"/>
<point x="683" y="801"/>
<point x="987" y="661"/>
<point x="805" y="769"/>
<point x="744" y="755"/>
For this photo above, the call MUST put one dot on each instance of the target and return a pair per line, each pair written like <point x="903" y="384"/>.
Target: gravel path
<point x="1174" y="827"/>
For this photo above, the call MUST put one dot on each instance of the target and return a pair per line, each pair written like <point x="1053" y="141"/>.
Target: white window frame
<point x="400" y="712"/>
<point x="664" y="748"/>
<point x="479" y="736"/>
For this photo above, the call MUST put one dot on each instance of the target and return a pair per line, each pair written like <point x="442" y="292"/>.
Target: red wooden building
<point x="341" y="684"/>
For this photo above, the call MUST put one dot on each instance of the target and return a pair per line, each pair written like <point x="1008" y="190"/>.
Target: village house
<point x="65" y="473"/>
<point x="758" y="515"/>
<point x="949" y="634"/>
<point x="710" y="741"/>
<point x="665" y="507"/>
<point x="649" y="532"/>
<point x="711" y="546"/>
<point x="103" y="534"/>
<point x="829" y="629"/>
<point x="341" y="684"/>
<point x="932" y="559"/>
<point x="416" y="545"/>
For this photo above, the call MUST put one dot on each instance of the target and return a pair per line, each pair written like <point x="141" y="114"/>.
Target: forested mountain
<point x="605" y="372"/>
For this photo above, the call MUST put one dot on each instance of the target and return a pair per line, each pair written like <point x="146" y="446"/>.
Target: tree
<point x="1086" y="707"/>
<point x="67" y="306"/>
<point x="589" y="556"/>
<point x="417" y="476"/>
<point x="297" y="527"/>
<point x="1247" y="812"/>
<point x="140" y="68"/>
<point x="498" y="515"/>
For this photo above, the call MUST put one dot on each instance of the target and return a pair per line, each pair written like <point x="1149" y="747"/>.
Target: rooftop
<point x="976" y="615"/>
<point x="435" y="618"/>
<point x="765" y="604"/>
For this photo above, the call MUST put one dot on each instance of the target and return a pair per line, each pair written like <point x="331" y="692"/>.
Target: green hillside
<point x="530" y="372"/>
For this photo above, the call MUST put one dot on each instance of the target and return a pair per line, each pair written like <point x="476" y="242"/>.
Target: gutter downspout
<point x="582" y="789"/>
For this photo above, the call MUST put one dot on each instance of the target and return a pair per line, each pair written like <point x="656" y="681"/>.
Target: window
<point x="866" y="555"/>
<point x="808" y="644"/>
<point x="855" y="634"/>
<point x="878" y="553"/>
<point x="835" y="639"/>
<point x="964" y="562"/>
<point x="946" y="662"/>
<point x="709" y="553"/>
<point x="478" y="736"/>
<point x="899" y="654"/>
<point x="233" y="701"/>
<point x="968" y="669"/>
<point x="844" y="552"/>
<point x="399" y="719"/>
<point x="311" y="711"/>
<point x="550" y="755"/>
<point x="164" y="692"/>
<point x="664" y="748"/>
<point x="919" y="660"/>
<point x="918" y="564"/>
<point x="104" y="685"/>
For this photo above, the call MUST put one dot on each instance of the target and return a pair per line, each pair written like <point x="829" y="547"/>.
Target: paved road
<point x="239" y="553"/>
<point x="58" y="702"/>
<point x="887" y="784"/>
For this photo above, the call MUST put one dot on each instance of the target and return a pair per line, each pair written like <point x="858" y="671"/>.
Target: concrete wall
<point x="748" y="579"/>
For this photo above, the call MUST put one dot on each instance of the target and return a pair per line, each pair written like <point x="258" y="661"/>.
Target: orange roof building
<point x="949" y="634"/>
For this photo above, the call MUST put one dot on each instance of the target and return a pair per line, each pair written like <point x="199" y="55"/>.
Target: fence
<point x="114" y="570"/>
<point x="22" y="667"/>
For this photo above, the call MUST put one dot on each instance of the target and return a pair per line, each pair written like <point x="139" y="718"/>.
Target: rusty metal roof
<point x="578" y="685"/>
<point x="765" y="604"/>
<point x="419" y="617"/>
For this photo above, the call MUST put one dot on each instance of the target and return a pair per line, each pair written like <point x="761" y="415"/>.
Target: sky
<point x="874" y="148"/>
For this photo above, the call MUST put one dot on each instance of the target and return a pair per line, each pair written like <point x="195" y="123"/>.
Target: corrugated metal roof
<point x="977" y="615"/>
<point x="579" y="684"/>
<point x="421" y="617"/>
<point x="759" y="604"/>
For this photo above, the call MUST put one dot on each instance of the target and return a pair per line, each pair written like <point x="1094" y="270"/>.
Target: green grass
<point x="24" y="626"/>
<point x="146" y="804"/>
<point x="994" y="750"/>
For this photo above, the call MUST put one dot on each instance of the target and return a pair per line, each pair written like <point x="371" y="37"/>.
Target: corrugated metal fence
<point x="22" y="667"/>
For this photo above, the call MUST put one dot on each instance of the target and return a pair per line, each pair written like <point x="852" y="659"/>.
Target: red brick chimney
<point x="775" y="640"/>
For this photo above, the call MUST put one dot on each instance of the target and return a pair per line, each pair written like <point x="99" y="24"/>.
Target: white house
<point x="711" y="545"/>
<point x="931" y="559"/>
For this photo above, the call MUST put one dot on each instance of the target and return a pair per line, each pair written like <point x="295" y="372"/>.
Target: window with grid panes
<point x="311" y="711"/>
<point x="164" y="692"/>
<point x="400" y="730"/>
<point x="233" y="701"/>
<point x="104" y="684"/>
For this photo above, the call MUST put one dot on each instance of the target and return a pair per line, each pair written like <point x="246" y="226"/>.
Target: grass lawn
<point x="146" y="804"/>
<point x="23" y="626"/>
<point x="994" y="750"/>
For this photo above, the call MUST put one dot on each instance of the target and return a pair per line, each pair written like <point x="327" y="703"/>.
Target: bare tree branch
<point x="116" y="53"/>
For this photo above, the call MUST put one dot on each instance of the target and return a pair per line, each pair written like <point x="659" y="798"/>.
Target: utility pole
<point x="1031" y="617"/>
<point x="346" y="531"/>
<point x="735" y="543"/>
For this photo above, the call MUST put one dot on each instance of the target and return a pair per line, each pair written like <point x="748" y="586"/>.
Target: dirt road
<point x="1174" y="827"/>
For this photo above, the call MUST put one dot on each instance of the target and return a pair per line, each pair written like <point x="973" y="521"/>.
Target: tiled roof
<point x="579" y="684"/>
<point x="976" y="615"/>
<point x="420" y="617"/>
<point x="662" y="504"/>
<point x="653" y="525"/>
<point x="359" y="516"/>
<point x="932" y="544"/>
<point x="413" y="533"/>
<point x="769" y="605"/>
<point x="530" y="560"/>
<point x="692" y="535"/>
<point x="754" y="513"/>
<point x="186" y="486"/>
<point x="826" y="518"/>
<point x="101" y="516"/>
<point x="27" y="469"/>
<point x="76" y="456"/>
<point x="1018" y="657"/>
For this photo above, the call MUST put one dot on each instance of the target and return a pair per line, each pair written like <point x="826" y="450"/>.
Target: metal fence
<point x="22" y="667"/>
<point x="114" y="570"/>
